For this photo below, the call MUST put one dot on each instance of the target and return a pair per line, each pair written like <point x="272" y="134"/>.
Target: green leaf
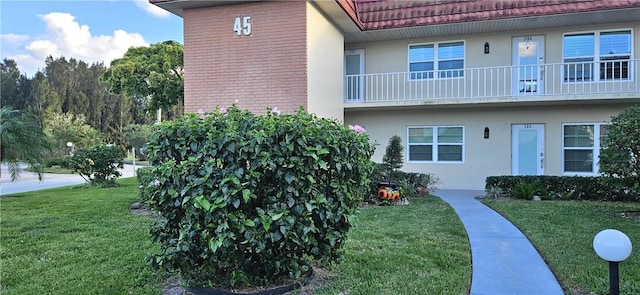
<point x="249" y="222"/>
<point x="246" y="195"/>
<point x="214" y="244"/>
<point x="203" y="203"/>
<point x="288" y="177"/>
<point x="277" y="216"/>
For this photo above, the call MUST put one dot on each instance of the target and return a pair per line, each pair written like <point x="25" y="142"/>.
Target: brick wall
<point x="265" y="69"/>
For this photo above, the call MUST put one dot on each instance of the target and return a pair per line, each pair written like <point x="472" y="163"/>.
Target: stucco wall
<point x="325" y="45"/>
<point x="265" y="69"/>
<point x="483" y="157"/>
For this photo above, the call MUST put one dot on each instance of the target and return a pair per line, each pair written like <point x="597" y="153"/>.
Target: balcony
<point x="584" y="80"/>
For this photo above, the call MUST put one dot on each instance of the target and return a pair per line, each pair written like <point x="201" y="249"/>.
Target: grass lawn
<point x="86" y="241"/>
<point x="75" y="241"/>
<point x="563" y="233"/>
<point x="417" y="249"/>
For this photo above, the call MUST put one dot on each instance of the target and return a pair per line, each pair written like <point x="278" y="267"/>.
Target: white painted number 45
<point x="242" y="26"/>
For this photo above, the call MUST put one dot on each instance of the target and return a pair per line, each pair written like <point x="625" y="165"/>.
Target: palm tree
<point x="22" y="140"/>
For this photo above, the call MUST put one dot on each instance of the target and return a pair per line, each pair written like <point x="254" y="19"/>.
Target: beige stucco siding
<point x="392" y="56"/>
<point x="486" y="75"/>
<point x="325" y="64"/>
<point x="482" y="157"/>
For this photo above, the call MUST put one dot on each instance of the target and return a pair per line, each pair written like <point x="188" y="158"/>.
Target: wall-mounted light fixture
<point x="486" y="47"/>
<point x="486" y="132"/>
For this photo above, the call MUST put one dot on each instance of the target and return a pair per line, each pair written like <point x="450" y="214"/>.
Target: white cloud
<point x="13" y="38"/>
<point x="66" y="37"/>
<point x="152" y="9"/>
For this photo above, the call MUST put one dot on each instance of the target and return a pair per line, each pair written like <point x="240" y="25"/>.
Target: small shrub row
<point x="597" y="188"/>
<point x="410" y="184"/>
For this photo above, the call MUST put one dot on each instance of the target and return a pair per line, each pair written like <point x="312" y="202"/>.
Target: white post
<point x="159" y="115"/>
<point x="133" y="153"/>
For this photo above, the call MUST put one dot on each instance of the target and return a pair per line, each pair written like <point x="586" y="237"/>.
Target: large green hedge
<point x="598" y="188"/>
<point x="244" y="198"/>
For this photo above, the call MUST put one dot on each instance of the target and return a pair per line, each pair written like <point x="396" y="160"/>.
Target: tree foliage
<point x="154" y="72"/>
<point x="244" y="198"/>
<point x="21" y="140"/>
<point x="64" y="128"/>
<point x="393" y="154"/>
<point x="620" y="154"/>
<point x="70" y="86"/>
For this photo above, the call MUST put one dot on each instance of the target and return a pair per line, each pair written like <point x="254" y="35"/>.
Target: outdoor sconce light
<point x="486" y="132"/>
<point x="613" y="246"/>
<point x="486" y="47"/>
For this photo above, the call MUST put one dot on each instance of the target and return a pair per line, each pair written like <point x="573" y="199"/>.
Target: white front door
<point x="527" y="149"/>
<point x="354" y="69"/>
<point x="528" y="65"/>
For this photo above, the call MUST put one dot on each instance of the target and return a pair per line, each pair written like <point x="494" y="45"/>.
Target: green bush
<point x="526" y="191"/>
<point x="411" y="184"/>
<point x="596" y="188"/>
<point x="620" y="154"/>
<point x="98" y="165"/>
<point x="244" y="198"/>
<point x="63" y="162"/>
<point x="393" y="154"/>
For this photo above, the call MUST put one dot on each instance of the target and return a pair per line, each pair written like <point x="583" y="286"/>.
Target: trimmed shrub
<point x="244" y="198"/>
<point x="411" y="184"/>
<point x="99" y="165"/>
<point x="569" y="187"/>
<point x="620" y="154"/>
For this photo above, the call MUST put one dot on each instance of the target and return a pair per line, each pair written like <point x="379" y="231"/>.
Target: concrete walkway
<point x="503" y="259"/>
<point x="28" y="181"/>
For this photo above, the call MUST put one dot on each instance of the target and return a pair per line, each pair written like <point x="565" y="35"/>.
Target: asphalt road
<point x="28" y="181"/>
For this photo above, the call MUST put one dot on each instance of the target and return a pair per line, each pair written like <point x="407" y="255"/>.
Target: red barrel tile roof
<point x="388" y="14"/>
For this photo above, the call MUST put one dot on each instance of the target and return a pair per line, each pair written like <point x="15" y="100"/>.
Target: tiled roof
<point x="389" y="14"/>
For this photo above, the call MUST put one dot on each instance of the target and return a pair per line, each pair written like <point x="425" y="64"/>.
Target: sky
<point x="88" y="30"/>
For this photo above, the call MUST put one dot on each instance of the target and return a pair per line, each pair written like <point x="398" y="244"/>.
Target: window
<point x="581" y="147"/>
<point x="597" y="55"/>
<point x="435" y="144"/>
<point x="443" y="60"/>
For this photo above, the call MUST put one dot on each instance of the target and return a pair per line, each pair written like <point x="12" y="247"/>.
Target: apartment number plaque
<point x="242" y="26"/>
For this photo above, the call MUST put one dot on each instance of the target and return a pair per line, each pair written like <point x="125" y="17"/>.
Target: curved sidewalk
<point x="503" y="259"/>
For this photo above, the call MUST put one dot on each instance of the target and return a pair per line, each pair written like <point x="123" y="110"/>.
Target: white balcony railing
<point x="610" y="77"/>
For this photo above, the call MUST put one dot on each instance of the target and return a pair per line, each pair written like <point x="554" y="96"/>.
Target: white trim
<point x="360" y="78"/>
<point x="435" y="144"/>
<point x="597" y="146"/>
<point x="435" y="61"/>
<point x="540" y="148"/>
<point x="597" y="55"/>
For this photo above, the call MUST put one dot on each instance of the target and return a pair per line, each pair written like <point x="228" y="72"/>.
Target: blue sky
<point x="89" y="30"/>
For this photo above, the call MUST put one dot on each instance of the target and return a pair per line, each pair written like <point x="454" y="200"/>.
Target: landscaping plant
<point x="620" y="154"/>
<point x="392" y="158"/>
<point x="243" y="198"/>
<point x="99" y="165"/>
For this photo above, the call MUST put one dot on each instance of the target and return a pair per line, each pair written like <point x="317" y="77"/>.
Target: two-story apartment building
<point x="474" y="87"/>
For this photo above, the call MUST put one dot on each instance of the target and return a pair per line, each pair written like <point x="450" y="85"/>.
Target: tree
<point x="14" y="87"/>
<point x="137" y="135"/>
<point x="393" y="154"/>
<point x="154" y="72"/>
<point x="21" y="140"/>
<point x="620" y="154"/>
<point x="63" y="128"/>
